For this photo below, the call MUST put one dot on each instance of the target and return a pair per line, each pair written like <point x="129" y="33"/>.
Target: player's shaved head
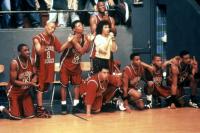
<point x="50" y="27"/>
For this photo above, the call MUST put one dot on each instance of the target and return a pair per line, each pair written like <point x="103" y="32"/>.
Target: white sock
<point x="2" y="108"/>
<point x="63" y="102"/>
<point x="76" y="101"/>
<point x="149" y="97"/>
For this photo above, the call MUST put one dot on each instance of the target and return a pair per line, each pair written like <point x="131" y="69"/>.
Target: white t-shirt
<point x="103" y="47"/>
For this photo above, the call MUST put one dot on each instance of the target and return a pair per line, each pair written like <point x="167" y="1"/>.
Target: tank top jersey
<point x="24" y="73"/>
<point x="100" y="87"/>
<point x="158" y="76"/>
<point x="185" y="70"/>
<point x="45" y="61"/>
<point x="129" y="70"/>
<point x="70" y="59"/>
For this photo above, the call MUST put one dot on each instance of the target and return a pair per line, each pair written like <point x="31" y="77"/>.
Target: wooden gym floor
<point x="182" y="120"/>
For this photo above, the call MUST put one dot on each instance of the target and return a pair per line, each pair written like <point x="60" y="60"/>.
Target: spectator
<point x="73" y="5"/>
<point x="6" y="18"/>
<point x="58" y="5"/>
<point x="28" y="5"/>
<point x="121" y="13"/>
<point x="104" y="45"/>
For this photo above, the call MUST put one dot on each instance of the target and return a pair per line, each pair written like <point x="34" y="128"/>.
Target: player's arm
<point x="67" y="43"/>
<point x="13" y="76"/>
<point x="148" y="67"/>
<point x="175" y="72"/>
<point x="90" y="96"/>
<point x="37" y="46"/>
<point x="194" y="66"/>
<point x="114" y="44"/>
<point x="93" y="25"/>
<point x="125" y="80"/>
<point x="113" y="27"/>
<point x="175" y="60"/>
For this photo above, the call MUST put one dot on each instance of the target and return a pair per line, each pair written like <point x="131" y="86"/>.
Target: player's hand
<point x="194" y="61"/>
<point x="111" y="2"/>
<point x="70" y="37"/>
<point x="90" y="37"/>
<point x="128" y="109"/>
<point x="175" y="60"/>
<point x="33" y="84"/>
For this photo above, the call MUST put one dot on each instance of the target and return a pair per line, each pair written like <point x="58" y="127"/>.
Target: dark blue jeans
<point x="6" y="18"/>
<point x="25" y="5"/>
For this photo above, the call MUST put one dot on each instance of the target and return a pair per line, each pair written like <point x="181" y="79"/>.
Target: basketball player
<point x="155" y="84"/>
<point x="43" y="53"/>
<point x="132" y="82"/>
<point x="70" y="62"/>
<point x="181" y="73"/>
<point x="22" y="79"/>
<point x="95" y="90"/>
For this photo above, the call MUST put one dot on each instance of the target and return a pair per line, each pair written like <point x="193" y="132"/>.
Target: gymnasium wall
<point x="11" y="38"/>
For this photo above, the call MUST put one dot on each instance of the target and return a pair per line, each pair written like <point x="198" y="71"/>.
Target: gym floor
<point x="163" y="120"/>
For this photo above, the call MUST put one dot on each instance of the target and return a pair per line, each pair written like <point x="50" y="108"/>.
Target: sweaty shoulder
<point x="14" y="64"/>
<point x="37" y="37"/>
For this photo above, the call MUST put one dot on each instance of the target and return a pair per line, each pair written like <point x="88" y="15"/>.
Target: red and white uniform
<point x="70" y="64"/>
<point x="132" y="75"/>
<point x="45" y="61"/>
<point x="97" y="92"/>
<point x="20" y="101"/>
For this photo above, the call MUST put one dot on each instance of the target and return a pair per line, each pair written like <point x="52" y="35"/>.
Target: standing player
<point x="43" y="52"/>
<point x="22" y="79"/>
<point x="132" y="82"/>
<point x="70" y="62"/>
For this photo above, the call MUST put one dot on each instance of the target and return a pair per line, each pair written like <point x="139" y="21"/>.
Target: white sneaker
<point x="192" y="104"/>
<point x="2" y="108"/>
<point x="149" y="99"/>
<point x="120" y="104"/>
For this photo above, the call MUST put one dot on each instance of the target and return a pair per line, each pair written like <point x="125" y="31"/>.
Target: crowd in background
<point x="120" y="10"/>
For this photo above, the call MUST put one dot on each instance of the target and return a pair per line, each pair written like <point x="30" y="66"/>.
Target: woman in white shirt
<point x="104" y="44"/>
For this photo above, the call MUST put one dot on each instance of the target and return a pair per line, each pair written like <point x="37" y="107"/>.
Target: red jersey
<point x="45" y="61"/>
<point x="133" y="74"/>
<point x="99" y="18"/>
<point x="71" y="57"/>
<point x="95" y="87"/>
<point x="24" y="74"/>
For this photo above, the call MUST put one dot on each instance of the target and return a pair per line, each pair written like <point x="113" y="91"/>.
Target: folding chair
<point x="56" y="70"/>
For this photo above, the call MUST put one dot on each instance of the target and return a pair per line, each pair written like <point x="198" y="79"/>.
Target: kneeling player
<point x="22" y="79"/>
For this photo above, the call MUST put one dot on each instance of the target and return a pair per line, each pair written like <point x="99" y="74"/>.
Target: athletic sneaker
<point x="120" y="104"/>
<point x="41" y="112"/>
<point x="193" y="104"/>
<point x="63" y="109"/>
